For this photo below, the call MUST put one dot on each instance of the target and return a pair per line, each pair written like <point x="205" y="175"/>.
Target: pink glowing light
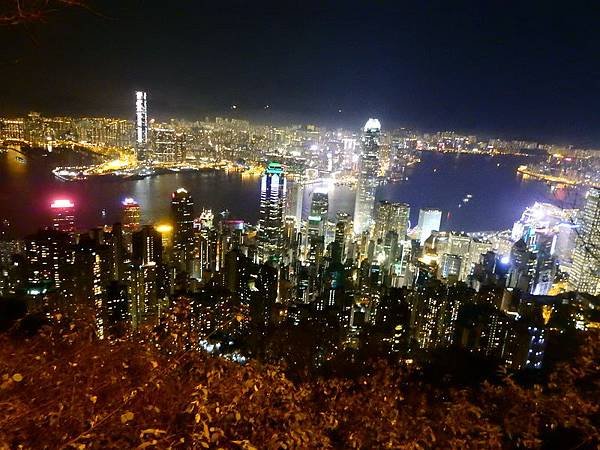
<point x="62" y="203"/>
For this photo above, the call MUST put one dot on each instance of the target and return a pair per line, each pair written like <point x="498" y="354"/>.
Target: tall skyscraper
<point x="391" y="217"/>
<point x="429" y="220"/>
<point x="63" y="215"/>
<point x="342" y="232"/>
<point x="585" y="276"/>
<point x="182" y="209"/>
<point x="141" y="124"/>
<point x="368" y="166"/>
<point x="542" y="244"/>
<point x="47" y="252"/>
<point x="272" y="201"/>
<point x="147" y="246"/>
<point x="294" y="199"/>
<point x="131" y="214"/>
<point x="522" y="266"/>
<point x="319" y="207"/>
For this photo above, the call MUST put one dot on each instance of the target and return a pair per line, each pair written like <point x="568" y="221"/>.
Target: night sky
<point x="513" y="69"/>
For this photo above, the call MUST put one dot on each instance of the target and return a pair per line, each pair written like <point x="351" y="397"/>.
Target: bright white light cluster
<point x="372" y="125"/>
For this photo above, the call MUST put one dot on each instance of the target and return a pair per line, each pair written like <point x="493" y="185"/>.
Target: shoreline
<point x="524" y="170"/>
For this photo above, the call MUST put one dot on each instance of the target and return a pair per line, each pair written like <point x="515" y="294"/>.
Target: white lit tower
<point x="430" y="219"/>
<point x="272" y="205"/>
<point x="585" y="276"/>
<point x="368" y="167"/>
<point x="141" y="124"/>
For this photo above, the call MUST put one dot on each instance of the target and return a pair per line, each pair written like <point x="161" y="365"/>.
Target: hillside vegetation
<point x="61" y="387"/>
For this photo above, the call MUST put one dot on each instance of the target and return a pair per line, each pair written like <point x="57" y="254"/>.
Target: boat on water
<point x="69" y="175"/>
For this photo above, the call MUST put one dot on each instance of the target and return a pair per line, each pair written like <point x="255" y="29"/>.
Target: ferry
<point x="66" y="174"/>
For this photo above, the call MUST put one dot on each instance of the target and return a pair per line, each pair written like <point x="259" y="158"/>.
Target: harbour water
<point x="497" y="193"/>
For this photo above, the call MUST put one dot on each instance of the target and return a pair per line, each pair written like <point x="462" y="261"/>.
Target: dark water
<point x="443" y="180"/>
<point x="499" y="194"/>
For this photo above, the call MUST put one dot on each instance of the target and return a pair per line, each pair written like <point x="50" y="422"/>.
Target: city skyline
<point x="434" y="81"/>
<point x="354" y="126"/>
<point x="359" y="224"/>
<point x="148" y="148"/>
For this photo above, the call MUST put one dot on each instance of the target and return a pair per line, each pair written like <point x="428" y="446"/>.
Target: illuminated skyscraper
<point x="47" y="253"/>
<point x="368" y="166"/>
<point x="391" y="217"/>
<point x="182" y="208"/>
<point x="342" y="232"/>
<point x="63" y="215"/>
<point x="147" y="246"/>
<point x="294" y="198"/>
<point x="141" y="124"/>
<point x="450" y="266"/>
<point x="116" y="306"/>
<point x="319" y="207"/>
<point x="167" y="145"/>
<point x="429" y="220"/>
<point x="522" y="267"/>
<point x="585" y="276"/>
<point x="272" y="202"/>
<point x="131" y="214"/>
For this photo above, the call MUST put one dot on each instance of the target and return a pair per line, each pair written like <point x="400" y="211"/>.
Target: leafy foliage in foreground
<point x="63" y="388"/>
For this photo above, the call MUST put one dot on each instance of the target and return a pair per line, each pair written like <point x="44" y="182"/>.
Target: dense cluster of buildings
<point x="306" y="151"/>
<point x="416" y="289"/>
<point x="302" y="275"/>
<point x="577" y="167"/>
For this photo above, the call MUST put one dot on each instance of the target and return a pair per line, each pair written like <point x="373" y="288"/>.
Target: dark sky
<point x="521" y="69"/>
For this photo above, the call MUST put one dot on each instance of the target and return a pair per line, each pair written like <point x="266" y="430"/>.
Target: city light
<point x="128" y="201"/>
<point x="62" y="203"/>
<point x="372" y="125"/>
<point x="164" y="228"/>
<point x="373" y="262"/>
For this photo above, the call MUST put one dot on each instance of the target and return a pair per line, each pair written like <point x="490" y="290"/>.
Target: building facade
<point x="368" y="167"/>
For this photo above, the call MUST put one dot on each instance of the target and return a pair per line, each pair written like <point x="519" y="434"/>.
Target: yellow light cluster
<point x="164" y="228"/>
